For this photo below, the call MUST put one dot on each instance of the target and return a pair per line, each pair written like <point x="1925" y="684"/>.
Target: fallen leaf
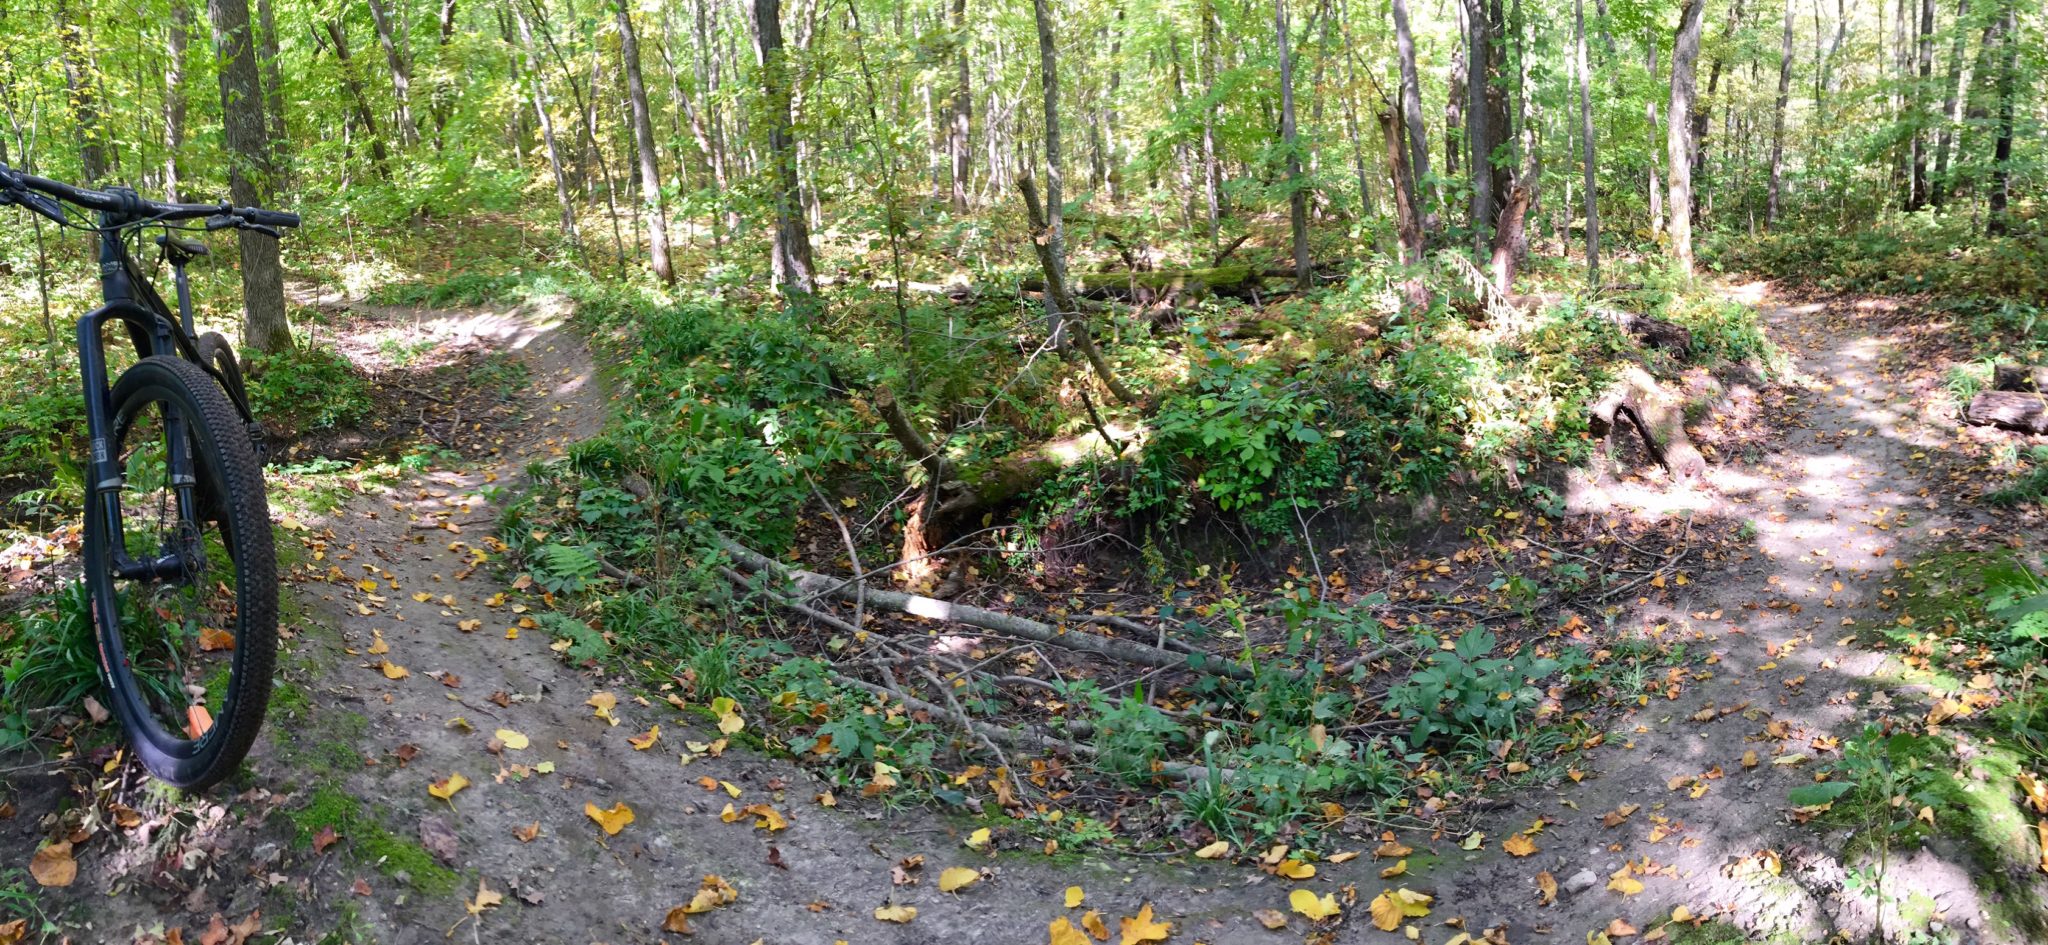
<point x="645" y="741"/>
<point x="1092" y="921"/>
<point x="1519" y="845"/>
<point x="1619" y="928"/>
<point x="1390" y="850"/>
<point x="978" y="840"/>
<point x="325" y="838"/>
<point x="53" y="865"/>
<point x="511" y="739"/>
<point x="1214" y="851"/>
<point x="1063" y="932"/>
<point x="678" y="921"/>
<point x="1399" y="867"/>
<point x="712" y="892"/>
<point x="1392" y="907"/>
<point x="613" y="820"/>
<point x="896" y="914"/>
<point x="1318" y="908"/>
<point x="448" y="786"/>
<point x="958" y="877"/>
<point x="766" y="817"/>
<point x="1547" y="885"/>
<point x="1272" y="919"/>
<point x="1134" y="930"/>
<point x="1472" y="841"/>
<point x="214" y="640"/>
<point x="1749" y="758"/>
<point x="603" y="703"/>
<point x="13" y="932"/>
<point x="393" y="670"/>
<point x="1074" y="896"/>
<point x="527" y="833"/>
<point x="486" y="897"/>
<point x="439" y="839"/>
<point x="1295" y="869"/>
<point x="728" y="712"/>
<point x="1623" y="883"/>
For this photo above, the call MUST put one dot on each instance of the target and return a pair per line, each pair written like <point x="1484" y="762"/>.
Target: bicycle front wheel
<point x="183" y="575"/>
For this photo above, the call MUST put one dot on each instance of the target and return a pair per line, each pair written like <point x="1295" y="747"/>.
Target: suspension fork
<point x="106" y="471"/>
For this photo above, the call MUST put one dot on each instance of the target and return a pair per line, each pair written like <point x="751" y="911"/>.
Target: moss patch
<point x="368" y="841"/>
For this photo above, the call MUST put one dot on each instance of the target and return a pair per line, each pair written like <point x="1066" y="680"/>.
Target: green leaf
<point x="1814" y="795"/>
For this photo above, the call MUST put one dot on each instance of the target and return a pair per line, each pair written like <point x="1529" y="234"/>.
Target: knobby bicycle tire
<point x="137" y="629"/>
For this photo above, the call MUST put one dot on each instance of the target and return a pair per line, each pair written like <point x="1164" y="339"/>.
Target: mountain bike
<point x="178" y="563"/>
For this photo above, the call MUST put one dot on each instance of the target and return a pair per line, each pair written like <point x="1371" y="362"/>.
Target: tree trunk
<point x="83" y="91"/>
<point x="1775" y="201"/>
<point x="178" y="39"/>
<point x="1508" y="236"/>
<point x="2009" y="410"/>
<point x="2015" y="377"/>
<point x="1996" y="222"/>
<point x="272" y="68"/>
<point x="538" y="94"/>
<point x="401" y="72"/>
<point x="1212" y="174"/>
<point x="1685" y="56"/>
<point x="1297" y="194"/>
<point x="1411" y="100"/>
<point x="643" y="141"/>
<point x="1054" y="238"/>
<point x="1949" y="116"/>
<point x="1703" y="107"/>
<point x="379" y="160"/>
<point x="1407" y="221"/>
<point x="1591" y="160"/>
<point x="962" y="110"/>
<point x="793" y="268"/>
<point x="241" y="96"/>
<point x="1924" y="62"/>
<point x="1656" y="131"/>
<point x="1480" y="134"/>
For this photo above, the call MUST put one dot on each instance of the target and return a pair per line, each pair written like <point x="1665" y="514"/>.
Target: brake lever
<point x="221" y="221"/>
<point x="271" y="232"/>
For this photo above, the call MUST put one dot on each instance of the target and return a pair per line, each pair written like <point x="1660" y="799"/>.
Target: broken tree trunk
<point x="1651" y="332"/>
<point x="1508" y="237"/>
<point x="2014" y="377"/>
<point x="1046" y="240"/>
<point x="2009" y="410"/>
<point x="1636" y="397"/>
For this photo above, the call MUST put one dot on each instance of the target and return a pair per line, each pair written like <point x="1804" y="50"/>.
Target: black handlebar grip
<point x="269" y="217"/>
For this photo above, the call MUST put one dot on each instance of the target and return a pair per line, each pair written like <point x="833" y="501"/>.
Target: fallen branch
<point x="1636" y="397"/>
<point x="2009" y="410"/>
<point x="917" y="605"/>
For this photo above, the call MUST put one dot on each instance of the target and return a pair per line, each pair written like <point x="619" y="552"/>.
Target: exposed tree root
<point x="1656" y="417"/>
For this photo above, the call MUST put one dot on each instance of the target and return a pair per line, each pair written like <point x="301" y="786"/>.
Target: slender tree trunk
<point x="1407" y="219"/>
<point x="1480" y="134"/>
<point x="1703" y="107"/>
<point x="401" y="71"/>
<point x="1411" y="101"/>
<point x="958" y="141"/>
<point x="365" y="117"/>
<point x="1297" y="193"/>
<point x="1918" y="196"/>
<point x="271" y="65"/>
<point x="1775" y="201"/>
<point x="538" y="95"/>
<point x="1656" y="133"/>
<point x="1684" y="59"/>
<point x="178" y="38"/>
<point x="793" y="269"/>
<point x="1212" y="173"/>
<point x="83" y="92"/>
<point x="1591" y="159"/>
<point x="643" y="142"/>
<point x="241" y="95"/>
<point x="1949" y="113"/>
<point x="1996" y="222"/>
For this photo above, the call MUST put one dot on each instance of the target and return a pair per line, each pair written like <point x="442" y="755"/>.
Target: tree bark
<point x="538" y="94"/>
<point x="793" y="269"/>
<point x="1591" y="159"/>
<point x="958" y="142"/>
<point x="1508" y="236"/>
<point x="1776" y="198"/>
<point x="241" y="95"/>
<point x="643" y="141"/>
<point x="1411" y="101"/>
<point x="2009" y="410"/>
<point x="1212" y="173"/>
<point x="379" y="160"/>
<point x="1297" y="193"/>
<point x="270" y="62"/>
<point x="1407" y="222"/>
<point x="1684" y="59"/>
<point x="1950" y="118"/>
<point x="1656" y="131"/>
<point x="1917" y="197"/>
<point x="1062" y="313"/>
<point x="83" y="92"/>
<point x="1996" y="222"/>
<point x="1481" y="132"/>
<point x="177" y="40"/>
<point x="401" y="71"/>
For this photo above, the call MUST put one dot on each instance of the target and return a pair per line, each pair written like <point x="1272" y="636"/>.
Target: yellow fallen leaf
<point x="646" y="740"/>
<point x="486" y="897"/>
<point x="896" y="914"/>
<point x="1749" y="758"/>
<point x="729" y="814"/>
<point x="1143" y="928"/>
<point x="53" y="865"/>
<point x="728" y="712"/>
<point x="1391" y="850"/>
<point x="713" y="892"/>
<point x="1681" y="914"/>
<point x="1092" y="921"/>
<point x="394" y="671"/>
<point x="377" y="645"/>
<point x="1321" y="907"/>
<point x="1392" y="907"/>
<point x="446" y="787"/>
<point x="1623" y="883"/>
<point x="957" y="878"/>
<point x="1344" y="857"/>
<point x="1546" y="884"/>
<point x="1074" y="896"/>
<point x="1399" y="867"/>
<point x="613" y="820"/>
<point x="1214" y="851"/>
<point x="512" y="739"/>
<point x="766" y="817"/>
<point x="1472" y="841"/>
<point x="1273" y="919"/>
<point x="603" y="703"/>
<point x="1519" y="845"/>
<point x="978" y="840"/>
<point x="1295" y="869"/>
<point x="1063" y="932"/>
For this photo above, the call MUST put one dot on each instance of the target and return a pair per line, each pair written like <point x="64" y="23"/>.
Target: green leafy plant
<point x="1465" y="693"/>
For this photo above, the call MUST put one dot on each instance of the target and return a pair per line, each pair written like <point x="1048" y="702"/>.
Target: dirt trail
<point x="1838" y="500"/>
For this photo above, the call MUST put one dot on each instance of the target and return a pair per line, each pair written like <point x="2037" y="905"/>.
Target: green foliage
<point x="307" y="388"/>
<point x="2018" y="598"/>
<point x="1230" y="431"/>
<point x="49" y="656"/>
<point x="584" y="642"/>
<point x="2031" y="485"/>
<point x="1463" y="693"/>
<point x="561" y="569"/>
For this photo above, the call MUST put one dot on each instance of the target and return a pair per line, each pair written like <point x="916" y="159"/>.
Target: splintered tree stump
<point x="2014" y="377"/>
<point x="1638" y="400"/>
<point x="2009" y="410"/>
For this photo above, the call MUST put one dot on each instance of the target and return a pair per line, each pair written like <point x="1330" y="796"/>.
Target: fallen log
<point x="1636" y="397"/>
<point x="2014" y="377"/>
<point x="1234" y="279"/>
<point x="917" y="605"/>
<point x="2009" y="410"/>
<point x="1651" y="332"/>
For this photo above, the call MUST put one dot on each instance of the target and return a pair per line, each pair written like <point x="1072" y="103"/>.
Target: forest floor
<point x="405" y="668"/>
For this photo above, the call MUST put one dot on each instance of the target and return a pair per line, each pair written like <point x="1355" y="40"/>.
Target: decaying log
<point x="995" y="483"/>
<point x="2014" y="377"/>
<point x="1637" y="398"/>
<point x="1236" y="279"/>
<point x="2009" y="410"/>
<point x="917" y="605"/>
<point x="1651" y="332"/>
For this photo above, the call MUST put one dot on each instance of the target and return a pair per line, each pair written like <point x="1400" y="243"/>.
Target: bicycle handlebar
<point x="129" y="205"/>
